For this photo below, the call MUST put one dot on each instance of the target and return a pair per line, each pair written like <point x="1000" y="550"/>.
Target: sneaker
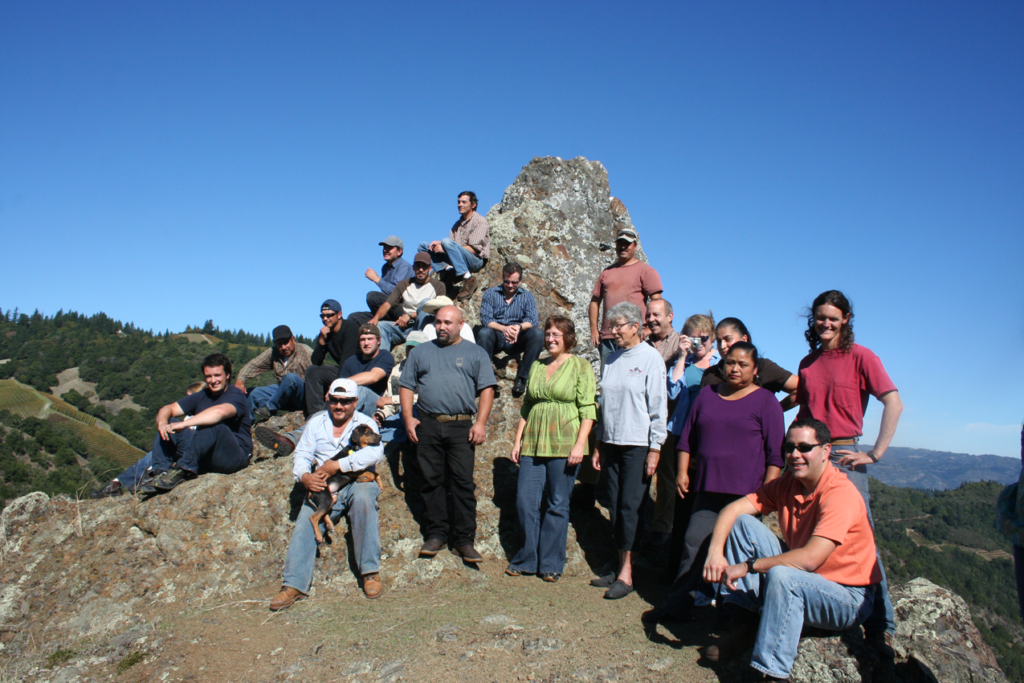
<point x="551" y="577"/>
<point x="519" y="387"/>
<point x="171" y="479"/>
<point x="147" y="484"/>
<point x="281" y="445"/>
<point x="111" y="490"/>
<point x="512" y="571"/>
<point x="261" y="414"/>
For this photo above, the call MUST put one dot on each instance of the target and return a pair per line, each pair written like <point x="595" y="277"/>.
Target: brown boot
<point x="742" y="636"/>
<point x="372" y="587"/>
<point x="286" y="598"/>
<point x="468" y="289"/>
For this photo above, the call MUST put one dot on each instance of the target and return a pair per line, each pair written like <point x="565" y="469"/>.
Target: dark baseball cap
<point x="422" y="257"/>
<point x="282" y="333"/>
<point x="331" y="305"/>
<point x="369" y="328"/>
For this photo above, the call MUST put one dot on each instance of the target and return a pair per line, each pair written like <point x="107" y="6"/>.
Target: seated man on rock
<point x="388" y="414"/>
<point x="369" y="368"/>
<point x="289" y="361"/>
<point x="508" y="314"/>
<point x="394" y="271"/>
<point x="466" y="249"/>
<point x="408" y="298"/>
<point x="822" y="574"/>
<point x="326" y="433"/>
<point x="340" y="338"/>
<point x="220" y="442"/>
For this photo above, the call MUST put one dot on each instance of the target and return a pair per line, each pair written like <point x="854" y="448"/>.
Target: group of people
<point x="697" y="408"/>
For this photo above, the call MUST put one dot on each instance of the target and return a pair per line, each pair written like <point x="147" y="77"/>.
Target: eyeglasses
<point x="553" y="335"/>
<point x="513" y="283"/>
<point x="619" y="326"/>
<point x="789" y="447"/>
<point x="341" y="401"/>
<point x="327" y="316"/>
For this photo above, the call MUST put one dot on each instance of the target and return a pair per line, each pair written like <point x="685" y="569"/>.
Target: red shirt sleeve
<point x="650" y="282"/>
<point x="876" y="379"/>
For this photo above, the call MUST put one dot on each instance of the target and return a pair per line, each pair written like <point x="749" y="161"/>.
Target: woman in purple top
<point x="734" y="432"/>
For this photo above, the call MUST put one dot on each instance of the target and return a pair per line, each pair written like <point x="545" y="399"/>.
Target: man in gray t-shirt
<point x="448" y="374"/>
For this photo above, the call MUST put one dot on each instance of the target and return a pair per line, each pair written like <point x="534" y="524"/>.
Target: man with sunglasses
<point x="338" y="337"/>
<point x="327" y="433"/>
<point x="508" y="314"/>
<point x="394" y="271"/>
<point x="407" y="299"/>
<point x="822" y="575"/>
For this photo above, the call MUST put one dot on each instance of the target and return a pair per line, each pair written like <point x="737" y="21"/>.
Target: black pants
<point x="445" y="458"/>
<point x="706" y="507"/>
<point x="375" y="300"/>
<point x="622" y="468"/>
<point x="318" y="381"/>
<point x="212" y="448"/>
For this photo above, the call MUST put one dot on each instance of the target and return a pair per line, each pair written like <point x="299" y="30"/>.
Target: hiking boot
<point x="740" y="638"/>
<point x="431" y="547"/>
<point x="286" y="598"/>
<point x="147" y="484"/>
<point x="261" y="414"/>
<point x="172" y="479"/>
<point x="468" y="289"/>
<point x="111" y="490"/>
<point x="372" y="587"/>
<point x="281" y="445"/>
<point x="469" y="554"/>
<point x="519" y="387"/>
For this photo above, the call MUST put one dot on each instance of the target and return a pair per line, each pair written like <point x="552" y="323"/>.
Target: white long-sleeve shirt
<point x="634" y="402"/>
<point x="318" y="445"/>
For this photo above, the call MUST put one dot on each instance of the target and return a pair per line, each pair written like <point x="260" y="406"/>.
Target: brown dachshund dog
<point x="323" y="500"/>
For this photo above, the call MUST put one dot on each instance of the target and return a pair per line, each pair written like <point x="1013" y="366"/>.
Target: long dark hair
<point x="832" y="297"/>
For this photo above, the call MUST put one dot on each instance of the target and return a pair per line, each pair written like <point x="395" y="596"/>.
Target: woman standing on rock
<point x="633" y="406"/>
<point x="734" y="433"/>
<point x="554" y="425"/>
<point x="836" y="379"/>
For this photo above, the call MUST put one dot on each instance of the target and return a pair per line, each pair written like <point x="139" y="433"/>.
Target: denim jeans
<point x="454" y="254"/>
<point x="204" y="449"/>
<point x="360" y="503"/>
<point x="367" y="402"/>
<point x="131" y="477"/>
<point x="882" y="618"/>
<point x="530" y="342"/>
<point x="391" y="335"/>
<point x="288" y="395"/>
<point x="787" y="598"/>
<point x="542" y="501"/>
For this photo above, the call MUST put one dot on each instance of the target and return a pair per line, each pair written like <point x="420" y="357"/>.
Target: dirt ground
<point x="476" y="625"/>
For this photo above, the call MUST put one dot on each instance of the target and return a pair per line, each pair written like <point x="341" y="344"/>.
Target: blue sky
<point x="169" y="163"/>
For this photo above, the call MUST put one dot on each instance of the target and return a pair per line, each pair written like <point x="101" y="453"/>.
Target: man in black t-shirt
<point x="338" y="337"/>
<point x="369" y="369"/>
<point x="215" y="438"/>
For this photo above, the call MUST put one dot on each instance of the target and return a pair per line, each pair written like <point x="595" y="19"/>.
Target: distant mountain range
<point x="938" y="470"/>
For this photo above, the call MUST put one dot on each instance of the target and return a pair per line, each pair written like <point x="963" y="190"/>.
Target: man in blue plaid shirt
<point x="508" y="314"/>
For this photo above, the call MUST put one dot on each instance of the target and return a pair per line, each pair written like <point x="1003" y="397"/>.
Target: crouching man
<point x="822" y="575"/>
<point x="325" y="434"/>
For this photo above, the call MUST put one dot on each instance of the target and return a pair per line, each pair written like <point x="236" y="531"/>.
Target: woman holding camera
<point x="836" y="379"/>
<point x="630" y="435"/>
<point x="734" y="432"/>
<point x="554" y="425"/>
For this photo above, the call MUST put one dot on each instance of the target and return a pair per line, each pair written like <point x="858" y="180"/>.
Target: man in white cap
<point x="327" y="433"/>
<point x="394" y="271"/>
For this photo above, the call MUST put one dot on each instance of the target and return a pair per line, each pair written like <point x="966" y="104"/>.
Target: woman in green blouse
<point x="558" y="412"/>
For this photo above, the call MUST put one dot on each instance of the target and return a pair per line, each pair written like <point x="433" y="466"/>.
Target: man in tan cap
<point x="407" y="299"/>
<point x="394" y="271"/>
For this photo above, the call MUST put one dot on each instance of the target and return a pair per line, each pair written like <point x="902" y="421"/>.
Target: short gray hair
<point x="625" y="311"/>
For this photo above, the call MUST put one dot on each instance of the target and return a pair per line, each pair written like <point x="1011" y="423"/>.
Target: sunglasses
<point x="789" y="447"/>
<point x="327" y="316"/>
<point x="341" y="401"/>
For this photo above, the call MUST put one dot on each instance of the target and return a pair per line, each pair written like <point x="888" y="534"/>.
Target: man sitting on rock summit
<point x="338" y="337"/>
<point x="325" y="435"/>
<point x="466" y="250"/>
<point x="508" y="314"/>
<point x="220" y="442"/>
<point x="407" y="299"/>
<point x="288" y="360"/>
<point x="394" y="271"/>
<point x="823" y="573"/>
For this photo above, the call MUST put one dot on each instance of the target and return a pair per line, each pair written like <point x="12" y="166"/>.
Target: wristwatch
<point x="750" y="565"/>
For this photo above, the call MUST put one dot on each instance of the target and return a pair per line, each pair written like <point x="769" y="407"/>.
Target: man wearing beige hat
<point x="394" y="271"/>
<point x="407" y="299"/>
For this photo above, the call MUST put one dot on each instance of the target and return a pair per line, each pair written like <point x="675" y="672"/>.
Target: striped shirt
<point x="522" y="308"/>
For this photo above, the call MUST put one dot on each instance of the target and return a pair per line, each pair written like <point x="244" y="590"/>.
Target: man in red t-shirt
<point x="628" y="279"/>
<point x="822" y="574"/>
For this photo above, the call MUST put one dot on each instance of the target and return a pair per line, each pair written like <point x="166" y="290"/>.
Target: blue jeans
<point x="391" y="335"/>
<point x="204" y="449"/>
<point x="550" y="481"/>
<point x="882" y="618"/>
<point x="393" y="429"/>
<point x="360" y="502"/>
<point x="131" y="477"/>
<point x="454" y="254"/>
<point x="530" y="342"/>
<point x="367" y="401"/>
<point x="288" y="395"/>
<point x="787" y="598"/>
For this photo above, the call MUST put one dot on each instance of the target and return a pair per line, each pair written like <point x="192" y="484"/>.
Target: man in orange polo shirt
<point x="821" y="575"/>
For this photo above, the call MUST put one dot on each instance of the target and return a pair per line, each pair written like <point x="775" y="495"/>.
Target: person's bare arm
<point x="517" y="444"/>
<point x="892" y="406"/>
<point x="683" y="474"/>
<point x="807" y="559"/>
<point x="592" y="311"/>
<point x="211" y="416"/>
<point x="478" y="432"/>
<point x="582" y="443"/>
<point x="380" y="314"/>
<point x="788" y="401"/>
<point x="371" y="376"/>
<point x="716" y="565"/>
<point x="163" y="417"/>
<point x="372" y="276"/>
<point x="772" y="473"/>
<point x="405" y="397"/>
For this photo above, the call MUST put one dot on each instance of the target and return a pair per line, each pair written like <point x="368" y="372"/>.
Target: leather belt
<point x="844" y="442"/>
<point x="440" y="417"/>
